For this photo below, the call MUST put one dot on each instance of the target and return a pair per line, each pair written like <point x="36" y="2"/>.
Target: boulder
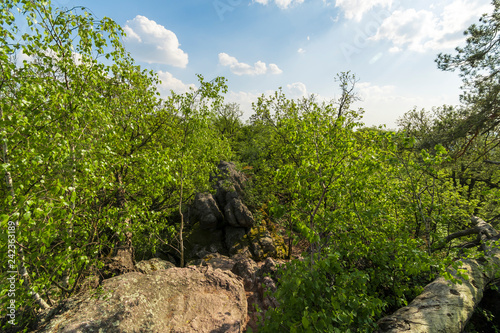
<point x="233" y="237"/>
<point x="247" y="270"/>
<point x="262" y="243"/>
<point x="206" y="211"/>
<point x="189" y="299"/>
<point x="215" y="260"/>
<point x="229" y="194"/>
<point x="199" y="242"/>
<point x="152" y="265"/>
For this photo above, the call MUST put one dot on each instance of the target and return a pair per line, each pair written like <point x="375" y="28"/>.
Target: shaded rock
<point x="262" y="244"/>
<point x="229" y="216"/>
<point x="269" y="268"/>
<point x="151" y="265"/>
<point x="260" y="294"/>
<point x="246" y="269"/>
<point x="233" y="237"/>
<point x="242" y="214"/>
<point x="236" y="214"/>
<point x="258" y="243"/>
<point x="266" y="288"/>
<point x="206" y="211"/>
<point x="199" y="242"/>
<point x="229" y="181"/>
<point x="174" y="300"/>
<point x="229" y="185"/>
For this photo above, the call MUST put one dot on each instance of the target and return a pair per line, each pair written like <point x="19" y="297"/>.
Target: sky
<point x="300" y="46"/>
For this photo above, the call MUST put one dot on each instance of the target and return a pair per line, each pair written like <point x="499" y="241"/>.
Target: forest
<point x="95" y="162"/>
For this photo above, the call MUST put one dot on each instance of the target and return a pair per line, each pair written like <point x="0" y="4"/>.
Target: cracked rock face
<point x="193" y="299"/>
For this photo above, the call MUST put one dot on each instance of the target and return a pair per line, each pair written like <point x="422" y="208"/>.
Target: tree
<point x="45" y="134"/>
<point x="94" y="161"/>
<point x="197" y="148"/>
<point x="479" y="66"/>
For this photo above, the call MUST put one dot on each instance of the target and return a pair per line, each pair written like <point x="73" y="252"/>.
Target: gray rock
<point x="229" y="216"/>
<point x="247" y="270"/>
<point x="269" y="268"/>
<point x="189" y="299"/>
<point x="233" y="237"/>
<point x="206" y="211"/>
<point x="152" y="265"/>
<point x="229" y="193"/>
<point x="262" y="244"/>
<point x="242" y="214"/>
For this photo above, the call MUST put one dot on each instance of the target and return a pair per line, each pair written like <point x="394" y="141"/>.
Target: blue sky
<point x="300" y="45"/>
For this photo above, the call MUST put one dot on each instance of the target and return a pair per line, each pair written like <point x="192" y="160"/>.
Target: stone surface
<point x="152" y="265"/>
<point x="189" y="299"/>
<point x="247" y="270"/>
<point x="199" y="242"/>
<point x="206" y="211"/>
<point x="229" y="196"/>
<point x="262" y="244"/>
<point x="215" y="260"/>
<point x="233" y="237"/>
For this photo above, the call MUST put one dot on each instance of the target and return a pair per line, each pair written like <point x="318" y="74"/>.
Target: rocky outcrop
<point x="259" y="281"/>
<point x="206" y="211"/>
<point x="193" y="299"/>
<point x="229" y="194"/>
<point x="225" y="207"/>
<point x="200" y="242"/>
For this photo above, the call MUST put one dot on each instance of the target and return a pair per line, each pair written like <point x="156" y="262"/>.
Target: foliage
<point x="90" y="153"/>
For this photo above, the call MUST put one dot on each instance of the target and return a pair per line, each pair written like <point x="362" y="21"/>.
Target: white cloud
<point x="297" y="90"/>
<point x="169" y="82"/>
<point x="383" y="104"/>
<point x="301" y="50"/>
<point x="425" y="30"/>
<point x="21" y="57"/>
<point x="244" y="99"/>
<point x="240" y="68"/>
<point x="367" y="91"/>
<point x="152" y="43"/>
<point x="274" y="69"/>
<point x="283" y="4"/>
<point x="354" y="9"/>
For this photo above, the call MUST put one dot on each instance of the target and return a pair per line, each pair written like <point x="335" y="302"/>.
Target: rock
<point x="246" y="269"/>
<point x="229" y="216"/>
<point x="189" y="299"/>
<point x="199" y="242"/>
<point x="151" y="265"/>
<point x="266" y="289"/>
<point x="229" y="180"/>
<point x="216" y="261"/>
<point x="242" y="214"/>
<point x="206" y="211"/>
<point x="262" y="243"/>
<point x="269" y="268"/>
<point x="233" y="237"/>
<point x="229" y="185"/>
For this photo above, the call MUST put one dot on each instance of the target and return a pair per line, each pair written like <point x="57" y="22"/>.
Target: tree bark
<point x="445" y="306"/>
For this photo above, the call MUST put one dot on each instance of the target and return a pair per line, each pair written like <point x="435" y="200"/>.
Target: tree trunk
<point x="445" y="306"/>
